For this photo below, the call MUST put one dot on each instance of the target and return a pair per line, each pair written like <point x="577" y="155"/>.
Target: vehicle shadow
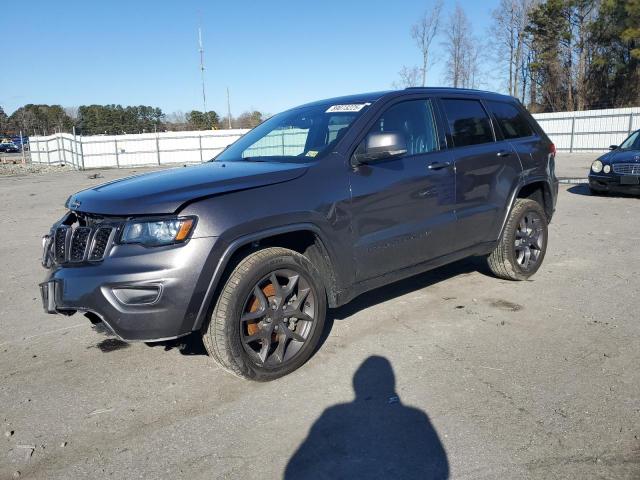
<point x="408" y="285"/>
<point x="583" y="189"/>
<point x="374" y="436"/>
<point x="580" y="189"/>
<point x="192" y="344"/>
<point x="188" y="345"/>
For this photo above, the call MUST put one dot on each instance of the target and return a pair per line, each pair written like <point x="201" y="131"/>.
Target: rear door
<point x="486" y="170"/>
<point x="515" y="128"/>
<point x="403" y="207"/>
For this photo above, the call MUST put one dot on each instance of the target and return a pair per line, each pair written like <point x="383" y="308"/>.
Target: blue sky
<point x="272" y="55"/>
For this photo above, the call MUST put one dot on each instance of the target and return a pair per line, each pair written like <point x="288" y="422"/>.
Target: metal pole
<point x="22" y="148"/>
<point x="115" y="141"/>
<point x="630" y="123"/>
<point x="74" y="149"/>
<point x="37" y="148"/>
<point x="200" y="146"/>
<point x="158" y="148"/>
<point x="48" y="154"/>
<point x="573" y="129"/>
<point x="64" y="150"/>
<point x="58" y="145"/>
<point x="81" y="153"/>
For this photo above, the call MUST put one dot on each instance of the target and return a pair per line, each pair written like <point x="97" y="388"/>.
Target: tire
<point x="511" y="261"/>
<point x="243" y="313"/>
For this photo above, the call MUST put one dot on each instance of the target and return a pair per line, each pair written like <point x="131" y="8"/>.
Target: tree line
<point x="554" y="55"/>
<point x="115" y="119"/>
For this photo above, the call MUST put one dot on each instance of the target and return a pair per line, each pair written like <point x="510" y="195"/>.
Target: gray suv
<point x="311" y="208"/>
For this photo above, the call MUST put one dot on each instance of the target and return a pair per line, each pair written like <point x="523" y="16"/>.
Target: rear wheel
<point x="269" y="316"/>
<point x="523" y="244"/>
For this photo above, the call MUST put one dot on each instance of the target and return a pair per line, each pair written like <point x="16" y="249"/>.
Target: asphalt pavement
<point x="450" y="374"/>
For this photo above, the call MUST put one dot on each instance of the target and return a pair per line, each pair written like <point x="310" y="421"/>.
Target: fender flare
<point x="240" y="242"/>
<point x="514" y="195"/>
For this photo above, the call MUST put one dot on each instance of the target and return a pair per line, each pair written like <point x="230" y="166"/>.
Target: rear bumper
<point x="611" y="183"/>
<point x="170" y="274"/>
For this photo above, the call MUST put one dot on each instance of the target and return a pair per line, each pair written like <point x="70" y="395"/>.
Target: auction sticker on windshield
<point x="351" y="107"/>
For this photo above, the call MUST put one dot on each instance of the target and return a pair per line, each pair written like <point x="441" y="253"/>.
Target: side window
<point x="512" y="123"/>
<point x="414" y="119"/>
<point x="468" y="122"/>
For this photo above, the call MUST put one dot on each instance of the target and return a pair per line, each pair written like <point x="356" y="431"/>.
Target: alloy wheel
<point x="278" y="317"/>
<point x="529" y="240"/>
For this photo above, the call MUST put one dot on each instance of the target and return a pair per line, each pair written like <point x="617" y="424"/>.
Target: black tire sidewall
<point x="519" y="212"/>
<point x="258" y="271"/>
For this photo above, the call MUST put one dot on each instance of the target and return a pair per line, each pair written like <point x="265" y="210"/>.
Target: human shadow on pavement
<point x="373" y="437"/>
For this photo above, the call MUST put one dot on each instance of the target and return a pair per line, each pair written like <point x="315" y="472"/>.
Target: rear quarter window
<point x="511" y="121"/>
<point x="468" y="122"/>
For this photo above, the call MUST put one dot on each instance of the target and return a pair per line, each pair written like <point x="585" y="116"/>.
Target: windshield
<point x="297" y="135"/>
<point x="632" y="142"/>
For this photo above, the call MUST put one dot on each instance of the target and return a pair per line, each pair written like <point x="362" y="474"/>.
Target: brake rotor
<point x="269" y="292"/>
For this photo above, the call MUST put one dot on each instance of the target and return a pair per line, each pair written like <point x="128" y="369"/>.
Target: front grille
<point x="627" y="168"/>
<point x="60" y="244"/>
<point x="79" y="242"/>
<point x="100" y="243"/>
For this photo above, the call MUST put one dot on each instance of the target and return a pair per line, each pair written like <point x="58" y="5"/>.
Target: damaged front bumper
<point x="140" y="293"/>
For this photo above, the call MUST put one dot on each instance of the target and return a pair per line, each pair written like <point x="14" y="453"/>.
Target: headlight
<point x="153" y="233"/>
<point x="606" y="168"/>
<point x="596" y="166"/>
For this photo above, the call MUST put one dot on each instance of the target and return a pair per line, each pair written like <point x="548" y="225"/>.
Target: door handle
<point x="504" y="153"/>
<point x="438" y="165"/>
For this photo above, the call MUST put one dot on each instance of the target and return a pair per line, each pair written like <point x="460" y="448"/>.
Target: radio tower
<point x="201" y="50"/>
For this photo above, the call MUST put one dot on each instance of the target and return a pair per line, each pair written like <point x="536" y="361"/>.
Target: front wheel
<point x="523" y="244"/>
<point x="269" y="316"/>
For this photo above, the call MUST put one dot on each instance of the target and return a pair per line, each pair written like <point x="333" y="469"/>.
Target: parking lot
<point x="471" y="376"/>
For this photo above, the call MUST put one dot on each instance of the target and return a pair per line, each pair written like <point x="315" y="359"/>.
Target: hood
<point x="164" y="192"/>
<point x="621" y="156"/>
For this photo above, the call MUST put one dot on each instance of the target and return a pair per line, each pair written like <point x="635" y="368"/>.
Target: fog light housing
<point x="138" y="295"/>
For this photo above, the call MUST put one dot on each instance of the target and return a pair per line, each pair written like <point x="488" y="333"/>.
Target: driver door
<point x="403" y="207"/>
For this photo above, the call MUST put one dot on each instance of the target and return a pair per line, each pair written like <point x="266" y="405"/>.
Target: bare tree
<point x="583" y="14"/>
<point x="423" y="32"/>
<point x="72" y="112"/>
<point x="409" y="77"/>
<point x="462" y="68"/>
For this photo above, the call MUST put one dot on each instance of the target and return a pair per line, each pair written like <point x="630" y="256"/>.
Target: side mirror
<point x="380" y="146"/>
<point x="613" y="147"/>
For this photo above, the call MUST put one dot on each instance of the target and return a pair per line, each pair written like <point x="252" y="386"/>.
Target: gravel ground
<point x="471" y="376"/>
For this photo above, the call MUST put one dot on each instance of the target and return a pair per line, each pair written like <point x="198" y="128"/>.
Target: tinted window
<point x="413" y="119"/>
<point x="468" y="122"/>
<point x="511" y="121"/>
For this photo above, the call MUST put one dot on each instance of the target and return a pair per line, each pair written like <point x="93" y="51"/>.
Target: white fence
<point x="589" y="130"/>
<point x="144" y="149"/>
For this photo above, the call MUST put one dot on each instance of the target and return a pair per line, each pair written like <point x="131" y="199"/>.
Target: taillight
<point x="552" y="149"/>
